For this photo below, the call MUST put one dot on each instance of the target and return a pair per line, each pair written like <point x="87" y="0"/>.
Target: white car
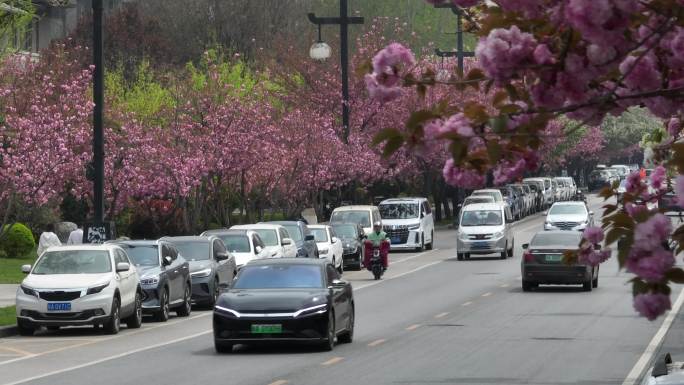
<point x="276" y="238"/>
<point x="329" y="246"/>
<point x="485" y="228"/>
<point x="80" y="285"/>
<point x="361" y="215"/>
<point x="408" y="223"/>
<point x="569" y="216"/>
<point x="245" y="245"/>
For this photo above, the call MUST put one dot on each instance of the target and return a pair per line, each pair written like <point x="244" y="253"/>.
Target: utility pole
<point x="460" y="54"/>
<point x="98" y="113"/>
<point x="343" y="20"/>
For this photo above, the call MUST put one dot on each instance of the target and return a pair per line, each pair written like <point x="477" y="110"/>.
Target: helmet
<point x="377" y="224"/>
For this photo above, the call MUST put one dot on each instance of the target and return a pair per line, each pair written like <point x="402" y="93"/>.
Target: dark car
<point x="164" y="277"/>
<point x="211" y="266"/>
<point x="515" y="201"/>
<point x="542" y="262"/>
<point x="301" y="235"/>
<point x="351" y="235"/>
<point x="285" y="300"/>
<point x="599" y="179"/>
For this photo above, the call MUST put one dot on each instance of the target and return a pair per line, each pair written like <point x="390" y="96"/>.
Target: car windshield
<point x="74" y="262"/>
<point x="570" y="239"/>
<point x="193" y="251"/>
<point x="482" y="218"/>
<point x="568" y="209"/>
<point x="399" y="210"/>
<point x="295" y="232"/>
<point x="532" y="186"/>
<point x="270" y="237"/>
<point x="143" y="255"/>
<point x="236" y="243"/>
<point x="473" y="200"/>
<point x="279" y="276"/>
<point x="487" y="193"/>
<point x="361" y="217"/>
<point x="321" y="235"/>
<point x="345" y="231"/>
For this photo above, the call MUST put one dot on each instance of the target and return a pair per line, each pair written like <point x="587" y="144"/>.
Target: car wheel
<point x="114" y="324"/>
<point x="162" y="315"/>
<point x="431" y="245"/>
<point x="186" y="308"/>
<point x="504" y="253"/>
<point x="422" y="244"/>
<point x="466" y="255"/>
<point x="223" y="347"/>
<point x="511" y="250"/>
<point x="340" y="269"/>
<point x="528" y="286"/>
<point x="459" y="256"/>
<point x="329" y="343"/>
<point x="215" y="293"/>
<point x="25" y="329"/>
<point x="135" y="319"/>
<point x="348" y="335"/>
<point x="594" y="283"/>
<point x="587" y="286"/>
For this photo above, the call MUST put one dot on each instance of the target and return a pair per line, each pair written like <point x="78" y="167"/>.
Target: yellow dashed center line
<point x="486" y="294"/>
<point x="279" y="382"/>
<point x="18" y="351"/>
<point x="376" y="342"/>
<point x="441" y="315"/>
<point x="504" y="285"/>
<point x="413" y="327"/>
<point x="332" y="361"/>
<point x="466" y="303"/>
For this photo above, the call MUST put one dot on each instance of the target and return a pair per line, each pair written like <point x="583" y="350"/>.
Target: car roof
<point x="101" y="247"/>
<point x="354" y="207"/>
<point x="227" y="232"/>
<point x="189" y="238"/>
<point x="487" y="197"/>
<point x="282" y="223"/>
<point x="560" y="233"/>
<point x="289" y="261"/>
<point x="407" y="199"/>
<point x="483" y="206"/>
<point x="261" y="225"/>
<point x="570" y="203"/>
<point x="486" y="190"/>
<point x="318" y="226"/>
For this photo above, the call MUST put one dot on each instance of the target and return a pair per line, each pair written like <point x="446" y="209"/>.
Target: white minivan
<point x="485" y="228"/>
<point x="364" y="216"/>
<point x="408" y="223"/>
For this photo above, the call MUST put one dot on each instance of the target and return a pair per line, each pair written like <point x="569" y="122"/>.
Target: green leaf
<point x="499" y="123"/>
<point x="675" y="275"/>
<point x="417" y="119"/>
<point x="494" y="151"/>
<point x="476" y="112"/>
<point x="385" y="134"/>
<point x="392" y="145"/>
<point x="458" y="149"/>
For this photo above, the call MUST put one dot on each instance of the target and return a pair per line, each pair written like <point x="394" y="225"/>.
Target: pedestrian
<point x="48" y="239"/>
<point x="75" y="237"/>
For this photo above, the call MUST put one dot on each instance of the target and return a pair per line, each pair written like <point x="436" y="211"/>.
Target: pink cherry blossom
<point x="650" y="265"/>
<point x="593" y="234"/>
<point x="467" y="178"/>
<point x="504" y="51"/>
<point x="658" y="177"/>
<point x="651" y="305"/>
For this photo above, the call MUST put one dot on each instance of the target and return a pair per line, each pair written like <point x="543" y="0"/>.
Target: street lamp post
<point x="318" y="52"/>
<point x="98" y="113"/>
<point x="460" y="54"/>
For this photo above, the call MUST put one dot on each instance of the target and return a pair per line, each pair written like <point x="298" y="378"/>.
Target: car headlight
<point x="323" y="251"/>
<point x="28" y="291"/>
<point x="463" y="236"/>
<point x="149" y="280"/>
<point x="318" y="309"/>
<point x="226" y="310"/>
<point x="96" y="289"/>
<point x="201" y="273"/>
<point x="414" y="227"/>
<point x="498" y="234"/>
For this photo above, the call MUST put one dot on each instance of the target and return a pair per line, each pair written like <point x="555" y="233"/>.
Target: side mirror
<point x="123" y="266"/>
<point x="286" y="242"/>
<point x="525" y="246"/>
<point x="25" y="269"/>
<point x="309" y="238"/>
<point x="167" y="260"/>
<point x="258" y="249"/>
<point x="591" y="213"/>
<point x="222" y="256"/>
<point x="338" y="283"/>
<point x="334" y="239"/>
<point x="545" y="213"/>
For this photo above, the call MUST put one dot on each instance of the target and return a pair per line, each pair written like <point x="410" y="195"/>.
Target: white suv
<point x="408" y="223"/>
<point x="80" y="285"/>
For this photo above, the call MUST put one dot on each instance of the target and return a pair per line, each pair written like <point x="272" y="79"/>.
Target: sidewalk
<point x="8" y="293"/>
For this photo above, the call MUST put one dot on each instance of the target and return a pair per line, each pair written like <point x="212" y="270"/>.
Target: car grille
<point x="565" y="225"/>
<point x="397" y="232"/>
<point x="59" y="295"/>
<point x="480" y="236"/>
<point x="80" y="316"/>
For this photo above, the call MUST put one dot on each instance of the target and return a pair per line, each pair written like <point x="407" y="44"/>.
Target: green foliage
<point x="15" y="17"/>
<point x="17" y="241"/>
<point x="10" y="269"/>
<point x="629" y="128"/>
<point x="233" y="73"/>
<point x="8" y="315"/>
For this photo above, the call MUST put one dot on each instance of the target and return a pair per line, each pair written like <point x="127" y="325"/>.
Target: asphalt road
<point x="432" y="320"/>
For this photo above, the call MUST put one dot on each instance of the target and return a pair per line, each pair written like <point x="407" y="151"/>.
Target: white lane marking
<point x="486" y="294"/>
<point x="397" y="276"/>
<point x="646" y="357"/>
<point x="504" y="285"/>
<point x="376" y="342"/>
<point x="15" y="350"/>
<point x="94" y="341"/>
<point x="332" y="361"/>
<point x="114" y="357"/>
<point x="442" y="315"/>
<point x="413" y="327"/>
<point x="413" y="256"/>
<point x="466" y="303"/>
<point x="279" y="382"/>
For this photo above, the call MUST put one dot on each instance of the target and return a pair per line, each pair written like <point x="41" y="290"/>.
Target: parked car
<point x="494" y="193"/>
<point x="485" y="228"/>
<point x="351" y="235"/>
<point x="285" y="300"/>
<point x="622" y="170"/>
<point x="599" y="179"/>
<point x="563" y="188"/>
<point x="362" y="215"/>
<point x="570" y="184"/>
<point x="243" y="245"/>
<point x="514" y="201"/>
<point x="542" y="262"/>
<point x="79" y="285"/>
<point x="329" y="246"/>
<point x="211" y="265"/>
<point x="558" y="193"/>
<point x="537" y="187"/>
<point x="530" y="197"/>
<point x="164" y="277"/>
<point x="569" y="216"/>
<point x="614" y="175"/>
<point x="278" y="241"/>
<point x="304" y="240"/>
<point x="408" y="223"/>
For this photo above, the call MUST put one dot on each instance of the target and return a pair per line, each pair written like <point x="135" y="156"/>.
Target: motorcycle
<point x="375" y="257"/>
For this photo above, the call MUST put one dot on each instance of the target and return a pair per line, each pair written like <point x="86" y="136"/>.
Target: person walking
<point x="48" y="239"/>
<point x="75" y="237"/>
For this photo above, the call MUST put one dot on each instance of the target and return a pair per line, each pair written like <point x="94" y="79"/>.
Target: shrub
<point x="18" y="241"/>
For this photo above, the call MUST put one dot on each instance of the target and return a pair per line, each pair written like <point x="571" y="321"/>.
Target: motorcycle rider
<point x="377" y="236"/>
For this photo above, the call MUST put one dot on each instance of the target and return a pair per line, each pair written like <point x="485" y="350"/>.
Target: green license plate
<point x="554" y="258"/>
<point x="267" y="329"/>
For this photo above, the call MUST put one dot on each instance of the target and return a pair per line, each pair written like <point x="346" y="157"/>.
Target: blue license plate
<point x="59" y="306"/>
<point x="395" y="240"/>
<point x="481" y="245"/>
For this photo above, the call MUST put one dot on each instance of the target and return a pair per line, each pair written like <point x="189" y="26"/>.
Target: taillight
<point x="528" y="257"/>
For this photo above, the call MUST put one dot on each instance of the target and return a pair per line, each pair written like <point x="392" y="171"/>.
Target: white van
<point x="408" y="223"/>
<point x="485" y="228"/>
<point x="361" y="215"/>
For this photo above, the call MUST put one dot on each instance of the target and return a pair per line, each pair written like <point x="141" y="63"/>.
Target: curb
<point x="8" y="331"/>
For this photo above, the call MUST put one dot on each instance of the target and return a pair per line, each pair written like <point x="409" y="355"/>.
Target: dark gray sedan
<point x="211" y="266"/>
<point x="542" y="262"/>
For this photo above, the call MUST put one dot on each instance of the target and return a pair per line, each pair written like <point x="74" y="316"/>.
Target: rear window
<point x="321" y="235"/>
<point x="568" y="239"/>
<point x="279" y="276"/>
<point x="361" y="217"/>
<point x="568" y="209"/>
<point x="143" y="255"/>
<point x="482" y="218"/>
